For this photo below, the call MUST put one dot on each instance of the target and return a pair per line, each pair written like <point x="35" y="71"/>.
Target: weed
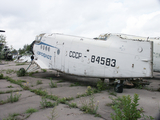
<point x="52" y="97"/>
<point x="113" y="93"/>
<point x="72" y="105"/>
<point x="60" y="81"/>
<point x="62" y="100"/>
<point x="90" y="106"/>
<point x="26" y="86"/>
<point x="125" y="108"/>
<point x="40" y="92"/>
<point x="52" y="84"/>
<point x="2" y="92"/>
<point x="31" y="110"/>
<point x="101" y="85"/>
<point x="9" y="71"/>
<point x="18" y="82"/>
<point x="14" y="98"/>
<point x="44" y="103"/>
<point x="44" y="70"/>
<point x="2" y="102"/>
<point x="20" y="64"/>
<point x="30" y="73"/>
<point x="10" y="86"/>
<point x="1" y="76"/>
<point x="88" y="92"/>
<point x="54" y="115"/>
<point x="39" y="82"/>
<point x="75" y="84"/>
<point x="11" y="116"/>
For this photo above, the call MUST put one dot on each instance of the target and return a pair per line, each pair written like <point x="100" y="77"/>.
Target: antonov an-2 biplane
<point x="105" y="57"/>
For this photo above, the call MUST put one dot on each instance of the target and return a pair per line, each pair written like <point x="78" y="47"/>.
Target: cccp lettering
<point x="74" y="54"/>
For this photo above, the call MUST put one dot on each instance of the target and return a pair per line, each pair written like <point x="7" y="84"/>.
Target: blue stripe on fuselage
<point x="42" y="43"/>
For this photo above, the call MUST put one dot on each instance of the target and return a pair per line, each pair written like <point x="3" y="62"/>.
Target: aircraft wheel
<point x="21" y="72"/>
<point x="118" y="88"/>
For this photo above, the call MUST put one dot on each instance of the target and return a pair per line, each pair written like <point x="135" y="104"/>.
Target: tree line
<point x="3" y="42"/>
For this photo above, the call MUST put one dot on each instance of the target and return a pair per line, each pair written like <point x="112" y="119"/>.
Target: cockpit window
<point x="102" y="37"/>
<point x="39" y="38"/>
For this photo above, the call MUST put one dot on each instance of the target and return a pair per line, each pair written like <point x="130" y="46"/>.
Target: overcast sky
<point x="24" y="19"/>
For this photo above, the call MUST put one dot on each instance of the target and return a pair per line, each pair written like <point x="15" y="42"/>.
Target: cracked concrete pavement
<point x="149" y="99"/>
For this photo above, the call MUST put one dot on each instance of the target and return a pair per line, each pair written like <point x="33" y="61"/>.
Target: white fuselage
<point x="110" y="58"/>
<point x="156" y="47"/>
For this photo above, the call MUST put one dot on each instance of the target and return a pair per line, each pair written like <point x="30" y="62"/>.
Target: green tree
<point x="2" y="41"/>
<point x="26" y="48"/>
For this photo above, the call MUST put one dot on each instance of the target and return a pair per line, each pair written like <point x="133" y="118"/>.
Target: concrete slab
<point x="67" y="91"/>
<point x="24" y="95"/>
<point x="20" y="107"/>
<point x="63" y="113"/>
<point x="7" y="84"/>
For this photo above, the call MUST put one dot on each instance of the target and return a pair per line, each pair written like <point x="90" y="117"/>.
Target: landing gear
<point x="21" y="72"/>
<point x="102" y="79"/>
<point x="118" y="86"/>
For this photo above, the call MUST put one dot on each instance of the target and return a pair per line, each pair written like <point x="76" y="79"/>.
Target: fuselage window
<point x="41" y="46"/>
<point x="48" y="48"/>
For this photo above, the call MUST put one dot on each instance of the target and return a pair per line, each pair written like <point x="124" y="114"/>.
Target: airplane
<point x="109" y="57"/>
<point x="156" y="46"/>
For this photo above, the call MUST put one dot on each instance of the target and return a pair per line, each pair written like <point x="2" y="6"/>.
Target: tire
<point x="21" y="72"/>
<point x="118" y="88"/>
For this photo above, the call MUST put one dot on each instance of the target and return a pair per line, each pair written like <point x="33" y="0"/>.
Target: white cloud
<point x="23" y="20"/>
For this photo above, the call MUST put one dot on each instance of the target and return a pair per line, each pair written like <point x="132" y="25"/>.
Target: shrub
<point x="125" y="108"/>
<point x="1" y="76"/>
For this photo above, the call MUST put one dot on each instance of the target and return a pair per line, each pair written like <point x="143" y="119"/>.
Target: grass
<point x="9" y="91"/>
<point x="54" y="114"/>
<point x="72" y="105"/>
<point x="88" y="92"/>
<point x="60" y="81"/>
<point x="21" y="64"/>
<point x="52" y="84"/>
<point x="31" y="110"/>
<point x="9" y="71"/>
<point x="11" y="116"/>
<point x="90" y="106"/>
<point x="45" y="104"/>
<point x="44" y="70"/>
<point x="39" y="82"/>
<point x="1" y="76"/>
<point x="14" y="98"/>
<point x="75" y="84"/>
<point x="10" y="86"/>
